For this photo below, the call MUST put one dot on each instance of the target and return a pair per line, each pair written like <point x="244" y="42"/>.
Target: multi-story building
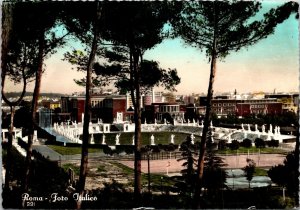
<point x="50" y="104"/>
<point x="168" y="98"/>
<point x="108" y="108"/>
<point x="289" y="102"/>
<point x="159" y="111"/>
<point x="189" y="99"/>
<point x="223" y="107"/>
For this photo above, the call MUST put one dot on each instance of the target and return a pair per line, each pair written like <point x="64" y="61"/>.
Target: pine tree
<point x="222" y="27"/>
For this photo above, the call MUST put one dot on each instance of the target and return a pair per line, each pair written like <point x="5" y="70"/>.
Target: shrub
<point x="222" y="144"/>
<point x="260" y="143"/>
<point x="234" y="145"/>
<point x="246" y="143"/>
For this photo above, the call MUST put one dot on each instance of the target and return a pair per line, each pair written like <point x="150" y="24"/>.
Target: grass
<point x="155" y="179"/>
<point x="126" y="170"/>
<point x="260" y="172"/>
<point x="71" y="150"/>
<point x="101" y="168"/>
<point x="75" y="168"/>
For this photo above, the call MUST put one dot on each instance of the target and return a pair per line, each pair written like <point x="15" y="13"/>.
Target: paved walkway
<point x="174" y="166"/>
<point x="48" y="152"/>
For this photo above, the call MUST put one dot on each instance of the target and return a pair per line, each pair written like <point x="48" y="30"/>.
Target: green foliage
<point x="249" y="170"/>
<point x="259" y="143"/>
<point x="222" y="145"/>
<point x="214" y="175"/>
<point x="75" y="168"/>
<point x="189" y="164"/>
<point x="273" y="143"/>
<point x="260" y="172"/>
<point x="234" y="145"/>
<point x="246" y="143"/>
<point x="101" y="168"/>
<point x="286" y="174"/>
<point x="228" y="21"/>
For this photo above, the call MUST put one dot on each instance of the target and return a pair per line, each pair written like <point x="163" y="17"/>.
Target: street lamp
<point x="232" y="178"/>
<point x="148" y="158"/>
<point x="161" y="179"/>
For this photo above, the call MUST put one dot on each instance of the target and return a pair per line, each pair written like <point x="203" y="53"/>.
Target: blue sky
<point x="273" y="63"/>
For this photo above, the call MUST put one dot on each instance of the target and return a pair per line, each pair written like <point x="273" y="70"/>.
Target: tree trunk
<point x="34" y="105"/>
<point x="7" y="21"/>
<point x="12" y="105"/>
<point x="9" y="149"/>
<point x="200" y="165"/>
<point x="297" y="157"/>
<point x="137" y="131"/>
<point x="87" y="111"/>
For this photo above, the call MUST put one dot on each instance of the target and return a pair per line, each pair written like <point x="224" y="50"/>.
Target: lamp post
<point x="161" y="179"/>
<point x="149" y="181"/>
<point x="232" y="178"/>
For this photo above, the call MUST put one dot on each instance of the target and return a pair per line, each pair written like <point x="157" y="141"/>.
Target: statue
<point x="263" y="129"/>
<point x="118" y="139"/>
<point x="133" y="140"/>
<point x="103" y="139"/>
<point x="172" y="138"/>
<point x="165" y="121"/>
<point x="92" y="139"/>
<point x="243" y="126"/>
<point x="155" y="121"/>
<point x="152" y="140"/>
<point x="192" y="138"/>
<point x="249" y="129"/>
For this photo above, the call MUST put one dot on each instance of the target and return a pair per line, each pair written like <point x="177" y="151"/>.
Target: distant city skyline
<point x="272" y="63"/>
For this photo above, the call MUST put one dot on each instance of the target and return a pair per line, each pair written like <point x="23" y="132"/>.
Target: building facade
<point x="224" y="107"/>
<point x="104" y="107"/>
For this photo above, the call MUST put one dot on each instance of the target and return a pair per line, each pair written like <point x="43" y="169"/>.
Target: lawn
<point x="72" y="150"/>
<point x="261" y="172"/>
<point x="75" y="168"/>
<point x="156" y="179"/>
